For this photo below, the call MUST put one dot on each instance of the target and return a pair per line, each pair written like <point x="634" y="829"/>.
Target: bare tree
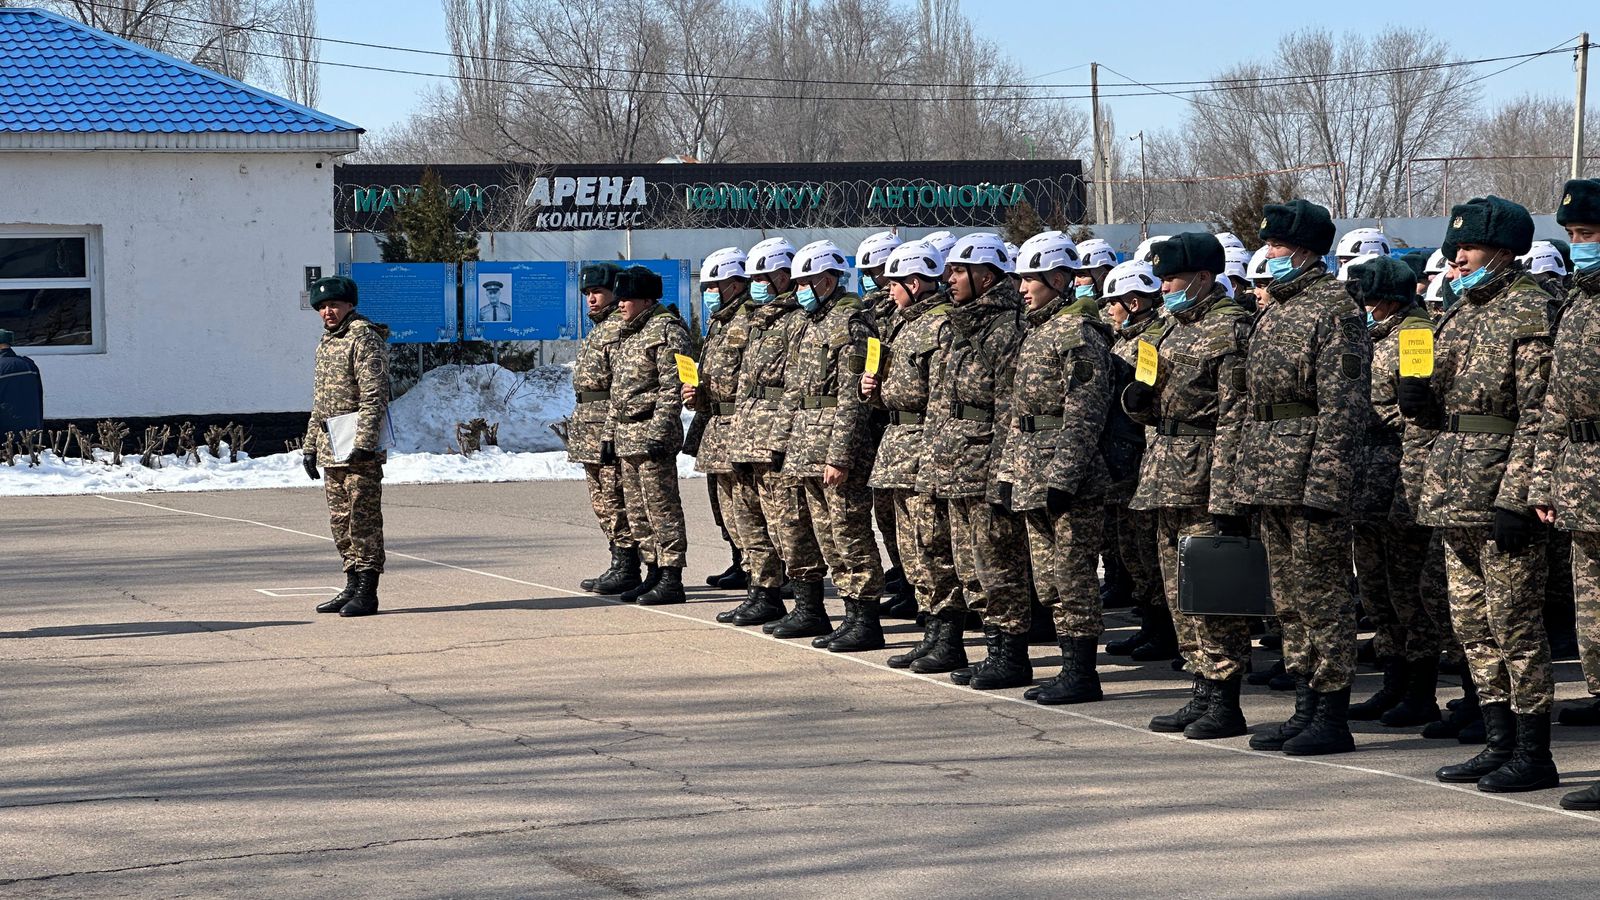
<point x="222" y="35"/>
<point x="299" y="70"/>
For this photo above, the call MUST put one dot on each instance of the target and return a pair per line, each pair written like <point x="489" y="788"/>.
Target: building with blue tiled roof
<point x="157" y="227"/>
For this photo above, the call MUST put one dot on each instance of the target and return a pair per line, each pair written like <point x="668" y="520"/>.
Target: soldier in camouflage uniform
<point x="830" y="451"/>
<point x="352" y="376"/>
<point x="915" y="337"/>
<point x="968" y="408"/>
<point x="1490" y="366"/>
<point x="646" y="409"/>
<point x="1132" y="300"/>
<point x="1194" y="411"/>
<point x="1051" y="457"/>
<point x="1563" y="489"/>
<point x="1401" y="575"/>
<point x="588" y="436"/>
<point x="1308" y="389"/>
<point x="872" y="256"/>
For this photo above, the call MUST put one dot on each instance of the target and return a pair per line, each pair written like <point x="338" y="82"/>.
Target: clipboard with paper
<point x="341" y="432"/>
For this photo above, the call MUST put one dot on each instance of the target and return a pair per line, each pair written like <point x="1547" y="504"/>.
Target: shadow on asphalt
<point x="109" y="630"/>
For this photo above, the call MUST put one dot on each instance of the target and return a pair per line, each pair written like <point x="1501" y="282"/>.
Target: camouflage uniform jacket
<point x="352" y="376"/>
<point x="1125" y="438"/>
<point x="1491" y="359"/>
<point x="914" y="339"/>
<point x="1565" y="468"/>
<point x="761" y="426"/>
<point x="1195" y="415"/>
<point x="822" y="385"/>
<point x="1308" y="392"/>
<point x="646" y="395"/>
<point x="1059" y="399"/>
<point x="590" y="425"/>
<point x="970" y="393"/>
<point x="1379" y="492"/>
<point x="721" y="358"/>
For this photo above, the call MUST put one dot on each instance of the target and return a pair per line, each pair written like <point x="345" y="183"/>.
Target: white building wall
<point x="202" y="265"/>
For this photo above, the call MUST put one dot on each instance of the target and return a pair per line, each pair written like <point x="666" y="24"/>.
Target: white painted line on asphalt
<point x="308" y="591"/>
<point x="805" y="645"/>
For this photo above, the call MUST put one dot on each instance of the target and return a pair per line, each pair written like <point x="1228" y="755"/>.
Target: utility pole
<point x="1577" y="114"/>
<point x="1144" y="204"/>
<point x="1102" y="192"/>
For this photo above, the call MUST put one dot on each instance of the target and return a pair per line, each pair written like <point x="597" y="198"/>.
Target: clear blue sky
<point x="1182" y="47"/>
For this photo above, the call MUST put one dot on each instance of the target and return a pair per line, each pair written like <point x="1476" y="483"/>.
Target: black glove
<point x="1318" y="515"/>
<point x="1230" y="525"/>
<point x="1512" y="532"/>
<point x="1415" y="396"/>
<point x="777" y="460"/>
<point x="1138" y="396"/>
<point x="1002" y="493"/>
<point x="742" y="469"/>
<point x="1056" y="501"/>
<point x="655" y="449"/>
<point x="363" y="455"/>
<point x="608" y="453"/>
<point x="310" y="461"/>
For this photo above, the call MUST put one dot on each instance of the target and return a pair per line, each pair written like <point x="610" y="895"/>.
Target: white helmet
<point x="875" y="249"/>
<point x="980" y="248"/>
<point x="1435" y="293"/>
<point x="915" y="258"/>
<point x="1544" y="257"/>
<point x="1046" y="252"/>
<point x="1228" y="239"/>
<point x="818" y="257"/>
<point x="1436" y="263"/>
<point x="1344" y="268"/>
<point x="1133" y="276"/>
<point x="769" y="256"/>
<point x="1257" y="270"/>
<point x="1361" y="241"/>
<point x="1095" y="252"/>
<point x="1238" y="262"/>
<point x="725" y="263"/>
<point x="941" y="241"/>
<point x="1148" y="244"/>
<point x="1011" y="255"/>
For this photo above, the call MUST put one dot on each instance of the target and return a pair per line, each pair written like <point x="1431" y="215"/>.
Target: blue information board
<point x="416" y="300"/>
<point x="521" y="301"/>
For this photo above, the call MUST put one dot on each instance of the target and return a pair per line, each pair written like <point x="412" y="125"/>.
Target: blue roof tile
<point x="57" y="75"/>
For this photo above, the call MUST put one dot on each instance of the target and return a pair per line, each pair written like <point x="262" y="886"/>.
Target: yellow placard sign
<point x="688" y="370"/>
<point x="874" y="355"/>
<point x="1149" y="364"/>
<point x="1416" y="353"/>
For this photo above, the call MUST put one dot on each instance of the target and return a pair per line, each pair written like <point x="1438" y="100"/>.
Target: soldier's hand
<point x="869" y="384"/>
<point x="310" y="461"/>
<point x="655" y="449"/>
<point x="608" y="453"/>
<point x="833" y="476"/>
<point x="777" y="460"/>
<point x="1512" y="532"/>
<point x="1230" y="525"/>
<point x="1002" y="496"/>
<point x="689" y="393"/>
<point x="1056" y="501"/>
<point x="1546" y="514"/>
<point x="1138" y="396"/>
<point x="363" y="455"/>
<point x="1415" y="397"/>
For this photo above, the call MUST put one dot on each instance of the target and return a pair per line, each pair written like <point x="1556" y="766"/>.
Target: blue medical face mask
<point x="1370" y="320"/>
<point x="868" y="284"/>
<point x="807" y="298"/>
<point x="1177" y="303"/>
<point x="712" y="301"/>
<point x="1469" y="281"/>
<point x="760" y="293"/>
<point x="1084" y="292"/>
<point x="1585" y="256"/>
<point x="1281" y="268"/>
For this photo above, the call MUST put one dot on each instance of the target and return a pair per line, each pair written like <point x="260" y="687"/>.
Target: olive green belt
<point x="1471" y="424"/>
<point x="974" y="413"/>
<point x="766" y="393"/>
<point x="1274" y="412"/>
<point x="897" y="417"/>
<point x="593" y="396"/>
<point x="1031" y="424"/>
<point x="818" y="401"/>
<point x="1584" y="431"/>
<point x="723" y="409"/>
<point x="1175" y="428"/>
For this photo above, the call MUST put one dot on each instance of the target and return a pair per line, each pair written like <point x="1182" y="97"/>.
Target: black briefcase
<point x="1223" y="576"/>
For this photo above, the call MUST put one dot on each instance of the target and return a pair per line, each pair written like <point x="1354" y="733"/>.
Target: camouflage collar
<point x="920" y="307"/>
<point x="1383" y="327"/>
<point x="1587" y="281"/>
<point x="730" y="308"/>
<point x="1200" y="310"/>
<point x="635" y="325"/>
<point x="1493" y="286"/>
<point x="603" y="314"/>
<point x="344" y="327"/>
<point x="1283" y="291"/>
<point x="1139" y="324"/>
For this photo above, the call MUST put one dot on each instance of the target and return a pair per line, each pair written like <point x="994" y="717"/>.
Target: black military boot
<point x="667" y="589"/>
<point x="1500" y="730"/>
<point x="727" y="615"/>
<point x="1531" y="767"/>
<point x="340" y="599"/>
<point x="899" y="600"/>
<point x="1125" y="646"/>
<point x="1329" y="731"/>
<point x="1586" y="799"/>
<point x="1078" y="681"/>
<point x="365" y="600"/>
<point x="766" y="606"/>
<point x="1007" y="665"/>
<point x="809" y="618"/>
<point x="1161" y="639"/>
<point x="735" y="578"/>
<point x="1464" y="714"/>
<point x="1273" y="737"/>
<point x="1041" y="624"/>
<point x="1264" y="676"/>
<point x="846" y="623"/>
<point x="1223" y="718"/>
<point x="949" y="653"/>
<point x="1419" y="705"/>
<point x="1387" y="697"/>
<point x="652" y="574"/>
<point x="623" y="575"/>
<point x="1583" y="716"/>
<point x="932" y="633"/>
<point x="588" y="583"/>
<point x="1189" y="713"/>
<point x="865" y="633"/>
<point x="734" y="569"/>
<point x="893" y="578"/>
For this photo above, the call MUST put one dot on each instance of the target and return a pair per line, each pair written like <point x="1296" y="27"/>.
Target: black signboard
<point x="967" y="194"/>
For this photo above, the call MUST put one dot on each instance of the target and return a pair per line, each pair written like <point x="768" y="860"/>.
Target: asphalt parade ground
<point x="176" y="721"/>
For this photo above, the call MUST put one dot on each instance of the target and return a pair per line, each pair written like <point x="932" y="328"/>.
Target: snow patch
<point x="525" y="404"/>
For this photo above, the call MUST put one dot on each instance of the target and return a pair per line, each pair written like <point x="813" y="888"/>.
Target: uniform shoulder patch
<point x="1353" y="329"/>
<point x="1350" y="366"/>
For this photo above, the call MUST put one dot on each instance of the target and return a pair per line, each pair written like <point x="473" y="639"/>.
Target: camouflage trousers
<point x="1216" y="648"/>
<point x="355" y="513"/>
<point x="789" y="523"/>
<point x="1586" y="585"/>
<point x="740" y="495"/>
<point x="655" y="511"/>
<point x="605" y="498"/>
<point x="1497" y="607"/>
<point x="1308" y="564"/>
<point x="990" y="547"/>
<point x="1131" y="535"/>
<point x="1065" y="553"/>
<point x="922" y="526"/>
<point x="1401" y="572"/>
<point x="841" y="519"/>
<point x="883" y="512"/>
